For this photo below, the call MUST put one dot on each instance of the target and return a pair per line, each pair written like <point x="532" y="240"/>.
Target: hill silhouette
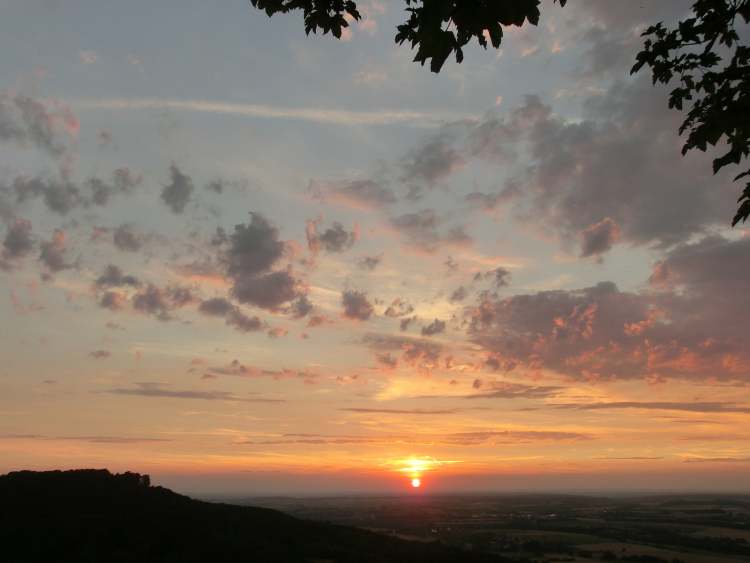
<point x="94" y="516"/>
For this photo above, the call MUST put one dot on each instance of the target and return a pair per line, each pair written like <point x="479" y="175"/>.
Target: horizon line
<point x="449" y="493"/>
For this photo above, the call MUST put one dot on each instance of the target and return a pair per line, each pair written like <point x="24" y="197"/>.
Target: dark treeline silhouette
<point x="94" y="516"/>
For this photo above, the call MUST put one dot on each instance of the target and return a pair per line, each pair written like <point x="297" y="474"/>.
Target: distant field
<point x="666" y="554"/>
<point x="569" y="538"/>
<point x="723" y="533"/>
<point x="554" y="528"/>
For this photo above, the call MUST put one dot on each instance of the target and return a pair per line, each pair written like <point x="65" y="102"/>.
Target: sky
<point x="244" y="260"/>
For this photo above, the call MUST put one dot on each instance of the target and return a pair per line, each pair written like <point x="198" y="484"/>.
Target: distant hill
<point x="94" y="516"/>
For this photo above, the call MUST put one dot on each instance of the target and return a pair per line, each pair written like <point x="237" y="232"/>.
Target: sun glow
<point x="415" y="467"/>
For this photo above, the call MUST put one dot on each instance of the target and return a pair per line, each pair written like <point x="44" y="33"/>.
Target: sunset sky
<point x="241" y="259"/>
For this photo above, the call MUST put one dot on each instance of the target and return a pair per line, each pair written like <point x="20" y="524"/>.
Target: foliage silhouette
<point x="713" y="67"/>
<point x="435" y="28"/>
<point x="692" y="51"/>
<point x="92" y="516"/>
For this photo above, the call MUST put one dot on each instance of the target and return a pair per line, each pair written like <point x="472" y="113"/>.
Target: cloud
<point x="689" y="324"/>
<point x="243" y="322"/>
<point x="451" y="264"/>
<point x="180" y="296"/>
<point x="253" y="250"/>
<point x="613" y="175"/>
<point x="48" y="127"/>
<point x="505" y="390"/>
<point x="277" y="332"/>
<point x="398" y="308"/>
<point x="599" y="238"/>
<point x="430" y="162"/>
<point x="612" y="36"/>
<point x="176" y="194"/>
<point x="416" y="352"/>
<point x="561" y="330"/>
<point x="220" y="307"/>
<point x="404" y="324"/>
<point x="52" y="253"/>
<point x="313" y="439"/>
<point x="459" y="294"/>
<point x="115" y="439"/>
<point x="632" y="458"/>
<point x="629" y="17"/>
<point x="357" y="194"/>
<point x="123" y="183"/>
<point x="334" y="239"/>
<point x="18" y="242"/>
<point x="104" y="138"/>
<point x="268" y="291"/>
<point x="300" y="307"/>
<point x="457" y="439"/>
<point x="435" y="327"/>
<point x="370" y="77"/>
<point x="400" y="411"/>
<point x="100" y="354"/>
<point x="696" y="406"/>
<point x="369" y="263"/>
<point x="203" y="268"/>
<point x="490" y="202"/>
<point x="216" y="186"/>
<point x="317" y="115"/>
<point x="356" y="306"/>
<point x="717" y="460"/>
<point x="87" y="57"/>
<point x="216" y="307"/>
<point x="337" y="239"/>
<point x="160" y="303"/>
<point x="499" y="277"/>
<point x="512" y="437"/>
<point x="708" y="268"/>
<point x="113" y="300"/>
<point x="60" y="196"/>
<point x="619" y="166"/>
<point x="126" y="238"/>
<point x="113" y="276"/>
<point x="422" y="230"/>
<point x="157" y="390"/>
<point x="386" y="360"/>
<point x="318" y="320"/>
<point x="493" y="138"/>
<point x="91" y="439"/>
<point x="237" y="369"/>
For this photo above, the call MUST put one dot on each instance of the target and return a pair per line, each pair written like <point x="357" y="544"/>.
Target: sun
<point x="414" y="468"/>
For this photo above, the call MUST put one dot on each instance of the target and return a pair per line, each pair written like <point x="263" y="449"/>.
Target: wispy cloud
<point x="91" y="439"/>
<point x="717" y="460"/>
<point x="150" y="389"/>
<point x="713" y="407"/>
<point x="399" y="411"/>
<point x="504" y="390"/>
<point x="634" y="458"/>
<point x="475" y="438"/>
<point x="263" y="111"/>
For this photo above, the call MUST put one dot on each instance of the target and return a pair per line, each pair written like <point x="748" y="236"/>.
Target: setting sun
<point x="416" y="483"/>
